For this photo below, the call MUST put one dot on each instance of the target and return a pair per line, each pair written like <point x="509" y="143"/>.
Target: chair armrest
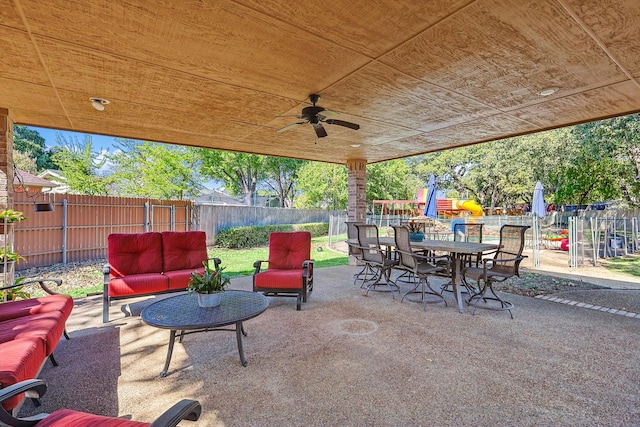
<point x="34" y="388"/>
<point x="216" y="262"/>
<point x="257" y="265"/>
<point x="186" y="409"/>
<point x="40" y="282"/>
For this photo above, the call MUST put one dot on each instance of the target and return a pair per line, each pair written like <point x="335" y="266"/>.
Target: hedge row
<point x="252" y="236"/>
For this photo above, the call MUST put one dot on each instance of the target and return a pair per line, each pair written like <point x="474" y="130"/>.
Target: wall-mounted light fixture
<point x="99" y="103"/>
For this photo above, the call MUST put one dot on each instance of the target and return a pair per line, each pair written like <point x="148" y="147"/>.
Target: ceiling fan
<point x="312" y="115"/>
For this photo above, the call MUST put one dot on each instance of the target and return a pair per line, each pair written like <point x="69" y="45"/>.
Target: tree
<point x="240" y="172"/>
<point x="281" y="176"/>
<point x="614" y="144"/>
<point x="80" y="165"/>
<point x="30" y="143"/>
<point x="391" y="180"/>
<point x="322" y="186"/>
<point x="160" y="171"/>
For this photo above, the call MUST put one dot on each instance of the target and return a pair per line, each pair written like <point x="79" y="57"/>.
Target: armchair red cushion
<point x="290" y="269"/>
<point x="134" y="253"/>
<point x="289" y="250"/>
<point x="69" y="418"/>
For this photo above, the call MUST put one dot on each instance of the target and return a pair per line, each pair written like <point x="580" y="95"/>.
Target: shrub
<point x="252" y="236"/>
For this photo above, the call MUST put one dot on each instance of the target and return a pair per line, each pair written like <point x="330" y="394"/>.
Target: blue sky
<point x="100" y="142"/>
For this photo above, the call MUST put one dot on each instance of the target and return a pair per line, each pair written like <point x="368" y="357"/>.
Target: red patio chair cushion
<point x="138" y="284"/>
<point x="289" y="250"/>
<point x="184" y="249"/>
<point x="134" y="253"/>
<point x="70" y="418"/>
<point x="46" y="326"/>
<point x="279" y="279"/>
<point x="179" y="279"/>
<point x="21" y="360"/>
<point x="20" y="308"/>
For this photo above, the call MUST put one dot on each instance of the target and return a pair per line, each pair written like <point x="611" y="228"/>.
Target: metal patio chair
<point x="504" y="265"/>
<point x="417" y="265"/>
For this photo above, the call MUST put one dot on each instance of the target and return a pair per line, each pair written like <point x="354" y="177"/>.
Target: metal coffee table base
<point x="239" y="329"/>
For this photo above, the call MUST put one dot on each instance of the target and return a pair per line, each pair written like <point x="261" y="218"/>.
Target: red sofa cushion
<point x="179" y="279"/>
<point x="279" y="279"/>
<point x="183" y="249"/>
<point x="20" y="308"/>
<point x="289" y="250"/>
<point x="21" y="360"/>
<point x="46" y="326"/>
<point x="69" y="418"/>
<point x="134" y="253"/>
<point x="138" y="284"/>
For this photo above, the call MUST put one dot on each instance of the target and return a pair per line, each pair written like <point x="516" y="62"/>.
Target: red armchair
<point x="290" y="269"/>
<point x="184" y="410"/>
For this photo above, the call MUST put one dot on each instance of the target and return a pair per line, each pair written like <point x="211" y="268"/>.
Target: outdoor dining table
<point x="457" y="250"/>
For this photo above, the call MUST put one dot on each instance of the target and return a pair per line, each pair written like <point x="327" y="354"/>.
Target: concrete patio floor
<point x="353" y="360"/>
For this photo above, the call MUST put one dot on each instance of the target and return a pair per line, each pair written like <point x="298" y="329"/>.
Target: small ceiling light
<point x="548" y="91"/>
<point x="355" y="145"/>
<point x="99" y="103"/>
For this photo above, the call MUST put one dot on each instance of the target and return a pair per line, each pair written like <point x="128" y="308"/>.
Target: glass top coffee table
<point x="182" y="313"/>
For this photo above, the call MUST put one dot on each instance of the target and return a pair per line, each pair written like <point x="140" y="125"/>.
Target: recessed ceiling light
<point x="548" y="91"/>
<point x="355" y="145"/>
<point x="98" y="103"/>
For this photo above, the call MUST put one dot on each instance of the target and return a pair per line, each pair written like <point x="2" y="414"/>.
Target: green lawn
<point x="239" y="262"/>
<point x="626" y="265"/>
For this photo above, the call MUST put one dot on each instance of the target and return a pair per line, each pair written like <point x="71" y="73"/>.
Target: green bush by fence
<point x="252" y="236"/>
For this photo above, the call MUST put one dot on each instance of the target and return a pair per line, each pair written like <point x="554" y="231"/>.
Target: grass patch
<point x="239" y="262"/>
<point x="629" y="265"/>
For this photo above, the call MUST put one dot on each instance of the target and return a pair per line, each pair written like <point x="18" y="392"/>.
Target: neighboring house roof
<point x="55" y="177"/>
<point x="25" y="181"/>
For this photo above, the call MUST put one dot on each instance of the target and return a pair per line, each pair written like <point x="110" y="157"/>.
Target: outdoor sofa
<point x="151" y="263"/>
<point x="30" y="330"/>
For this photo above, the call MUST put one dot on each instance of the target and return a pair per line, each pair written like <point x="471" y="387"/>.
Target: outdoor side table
<point x="182" y="313"/>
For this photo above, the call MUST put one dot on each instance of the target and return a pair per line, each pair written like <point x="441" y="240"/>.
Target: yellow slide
<point x="469" y="205"/>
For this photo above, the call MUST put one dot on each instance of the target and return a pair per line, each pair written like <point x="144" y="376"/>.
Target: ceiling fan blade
<point x="291" y="126"/>
<point x="343" y="123"/>
<point x="319" y="130"/>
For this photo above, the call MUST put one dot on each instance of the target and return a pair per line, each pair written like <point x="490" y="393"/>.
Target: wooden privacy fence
<point x="211" y="218"/>
<point x="78" y="226"/>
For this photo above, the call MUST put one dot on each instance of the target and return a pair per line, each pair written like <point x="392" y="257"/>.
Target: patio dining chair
<point x="462" y="232"/>
<point x="356" y="252"/>
<point x="417" y="265"/>
<point x="504" y="265"/>
<point x="184" y="410"/>
<point x="376" y="258"/>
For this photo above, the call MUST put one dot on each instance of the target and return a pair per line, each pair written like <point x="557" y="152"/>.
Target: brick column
<point x="357" y="206"/>
<point x="6" y="159"/>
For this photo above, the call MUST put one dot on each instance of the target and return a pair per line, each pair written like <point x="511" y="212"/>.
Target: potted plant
<point x="8" y="257"/>
<point x="9" y="216"/>
<point x="415" y="231"/>
<point x="208" y="285"/>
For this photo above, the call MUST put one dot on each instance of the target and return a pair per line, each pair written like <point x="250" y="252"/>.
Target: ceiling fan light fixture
<point x="99" y="103"/>
<point x="355" y="145"/>
<point x="548" y="91"/>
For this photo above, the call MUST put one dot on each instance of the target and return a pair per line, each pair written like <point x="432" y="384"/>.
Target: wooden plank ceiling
<point x="418" y="76"/>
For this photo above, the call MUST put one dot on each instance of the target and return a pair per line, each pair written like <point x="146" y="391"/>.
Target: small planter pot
<point x="209" y="300"/>
<point x="416" y="237"/>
